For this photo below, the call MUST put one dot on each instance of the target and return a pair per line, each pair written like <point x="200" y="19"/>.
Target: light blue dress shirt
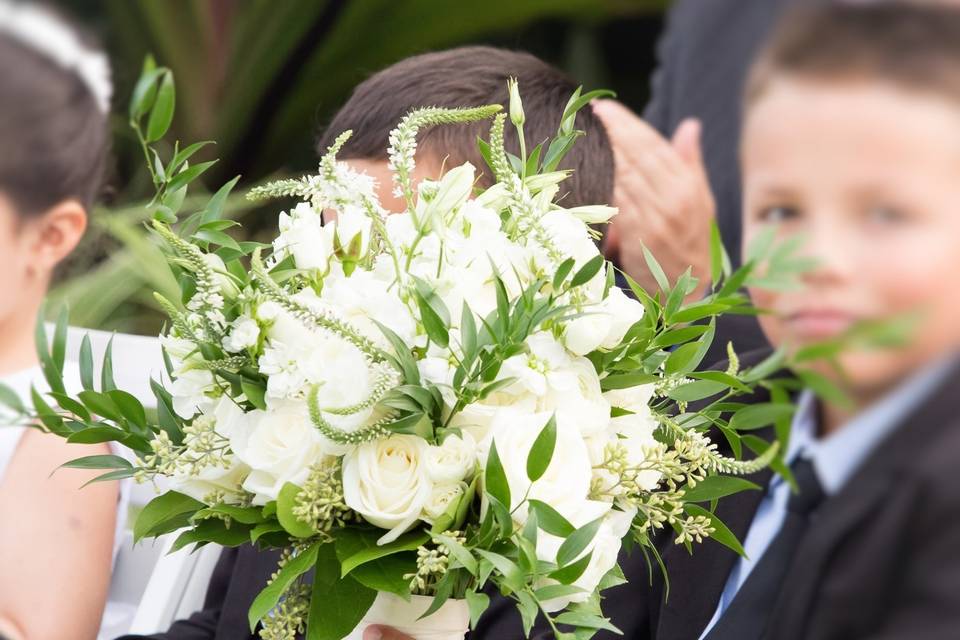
<point x="835" y="458"/>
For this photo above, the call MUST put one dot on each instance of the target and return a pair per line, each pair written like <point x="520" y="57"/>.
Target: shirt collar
<point x="839" y="455"/>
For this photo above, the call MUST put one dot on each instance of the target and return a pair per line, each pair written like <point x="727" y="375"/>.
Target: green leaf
<point x="214" y="208"/>
<point x="212" y="530"/>
<point x="437" y="330"/>
<point x="356" y="546"/>
<point x="286" y="501"/>
<point x="495" y="478"/>
<point x="162" y="113"/>
<point x="188" y="175"/>
<point x="267" y="599"/>
<point x="586" y="273"/>
<point x="569" y="573"/>
<point x="468" y="334"/>
<point x="387" y="573"/>
<point x="550" y="520"/>
<point x="145" y="91"/>
<point x="217" y="237"/>
<point x="86" y="363"/>
<point x="715" y="487"/>
<point x="541" y="453"/>
<point x="98" y="462"/>
<point x="722" y="534"/>
<point x="10" y="398"/>
<point x="59" y="348"/>
<point x="656" y="270"/>
<point x="255" y="392"/>
<point x="757" y="416"/>
<point x="680" y="358"/>
<point x="578" y="102"/>
<point x="552" y="591"/>
<point x="95" y="435"/>
<point x="161" y="509"/>
<point x="129" y="407"/>
<point x="51" y="373"/>
<point x="512" y="575"/>
<point x="106" y="370"/>
<point x="562" y="272"/>
<point x="577" y="541"/>
<point x="589" y="620"/>
<point x="461" y="553"/>
<point x="696" y="390"/>
<point x="185" y="154"/>
<point x="627" y="380"/>
<point x="336" y="604"/>
<point x="411" y="374"/>
<point x="100" y="404"/>
<point x="477" y="602"/>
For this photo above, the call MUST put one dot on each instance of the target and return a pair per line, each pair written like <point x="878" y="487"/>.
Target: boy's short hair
<point x="474" y="76"/>
<point x="915" y="46"/>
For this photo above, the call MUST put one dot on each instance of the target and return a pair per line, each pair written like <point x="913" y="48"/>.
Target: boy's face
<point x="379" y="170"/>
<point x="869" y="175"/>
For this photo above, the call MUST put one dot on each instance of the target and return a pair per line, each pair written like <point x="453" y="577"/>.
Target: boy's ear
<point x="57" y="232"/>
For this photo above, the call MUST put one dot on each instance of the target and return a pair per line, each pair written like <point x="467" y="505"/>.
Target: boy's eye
<point x="885" y="214"/>
<point x="778" y="214"/>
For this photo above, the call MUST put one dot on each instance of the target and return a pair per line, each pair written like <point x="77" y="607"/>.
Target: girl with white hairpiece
<point x="56" y="541"/>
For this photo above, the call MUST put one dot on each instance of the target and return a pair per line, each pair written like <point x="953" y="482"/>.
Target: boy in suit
<point x="851" y="141"/>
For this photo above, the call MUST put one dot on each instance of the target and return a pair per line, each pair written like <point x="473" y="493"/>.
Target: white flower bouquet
<point x="420" y="405"/>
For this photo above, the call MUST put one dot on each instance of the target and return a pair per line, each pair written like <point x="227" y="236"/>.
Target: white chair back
<point x="176" y="588"/>
<point x="135" y="359"/>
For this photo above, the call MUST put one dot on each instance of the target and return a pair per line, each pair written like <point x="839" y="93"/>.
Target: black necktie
<point x="746" y="617"/>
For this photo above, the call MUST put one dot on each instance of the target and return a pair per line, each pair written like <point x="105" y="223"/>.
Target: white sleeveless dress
<point x="115" y="615"/>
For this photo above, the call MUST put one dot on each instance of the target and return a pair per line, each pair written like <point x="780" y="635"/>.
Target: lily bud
<point x="516" y="106"/>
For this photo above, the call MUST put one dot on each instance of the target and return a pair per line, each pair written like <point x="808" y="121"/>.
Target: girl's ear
<point x="56" y="233"/>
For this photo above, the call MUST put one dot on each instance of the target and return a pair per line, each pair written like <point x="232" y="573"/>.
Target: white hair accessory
<point x="45" y="33"/>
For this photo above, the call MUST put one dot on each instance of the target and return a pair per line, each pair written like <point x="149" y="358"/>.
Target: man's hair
<point x="468" y="77"/>
<point x="54" y="136"/>
<point x="915" y="46"/>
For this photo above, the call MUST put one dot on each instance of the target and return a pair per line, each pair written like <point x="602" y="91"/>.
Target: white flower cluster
<point x="364" y="270"/>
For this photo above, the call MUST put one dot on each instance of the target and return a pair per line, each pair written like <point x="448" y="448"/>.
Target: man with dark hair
<point x="467" y="76"/>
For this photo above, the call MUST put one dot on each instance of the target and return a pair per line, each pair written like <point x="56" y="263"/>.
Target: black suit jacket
<point x="882" y="560"/>
<point x="704" y="56"/>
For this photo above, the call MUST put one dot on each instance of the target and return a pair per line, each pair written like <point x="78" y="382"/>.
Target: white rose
<point x="440" y="499"/>
<point x="476" y="418"/>
<point x="634" y="431"/>
<point x="386" y="482"/>
<point x="565" y="485"/>
<point x="190" y="392"/>
<point x="352" y="230"/>
<point x="280" y="446"/>
<point x="561" y="383"/>
<point x="587" y="332"/>
<point x="605" y="548"/>
<point x="304" y="236"/>
<point x="453" y="460"/>
<point x="226" y="481"/>
<point x="624" y="312"/>
<point x="244" y="333"/>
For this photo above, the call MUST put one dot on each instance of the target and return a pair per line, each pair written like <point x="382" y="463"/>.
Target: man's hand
<point x="381" y="632"/>
<point x="664" y="198"/>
